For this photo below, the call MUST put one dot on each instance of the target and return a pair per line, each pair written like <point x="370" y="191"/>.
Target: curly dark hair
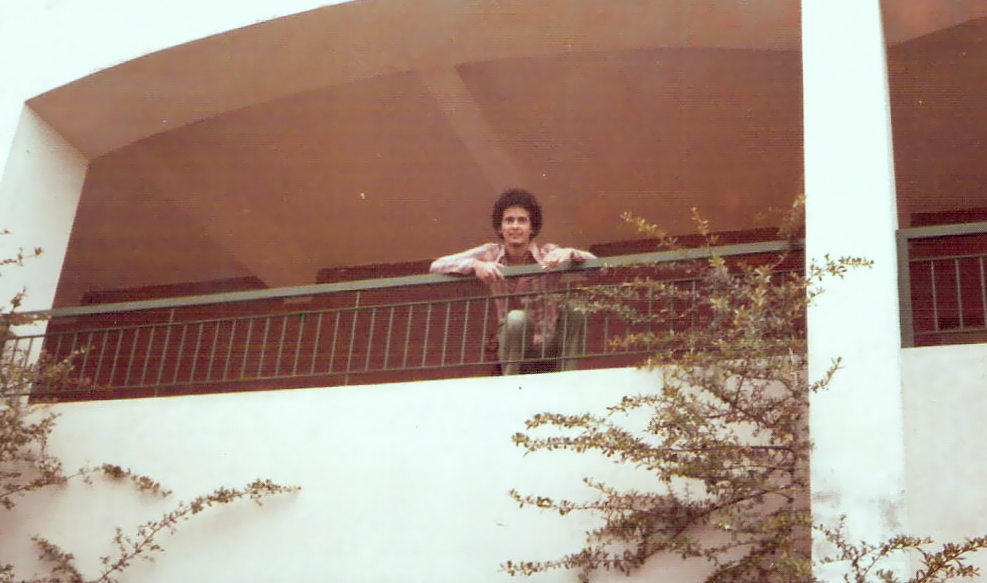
<point x="517" y="197"/>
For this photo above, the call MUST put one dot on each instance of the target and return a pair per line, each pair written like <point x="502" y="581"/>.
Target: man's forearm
<point x="459" y="262"/>
<point x="452" y="264"/>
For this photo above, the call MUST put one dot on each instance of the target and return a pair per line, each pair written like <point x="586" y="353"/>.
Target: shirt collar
<point x="532" y="248"/>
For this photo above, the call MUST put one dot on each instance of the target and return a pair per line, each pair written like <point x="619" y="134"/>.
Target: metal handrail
<point x="952" y="230"/>
<point x="405" y="281"/>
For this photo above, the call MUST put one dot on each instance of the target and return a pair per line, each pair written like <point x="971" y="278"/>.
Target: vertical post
<point x="858" y="465"/>
<point x="905" y="291"/>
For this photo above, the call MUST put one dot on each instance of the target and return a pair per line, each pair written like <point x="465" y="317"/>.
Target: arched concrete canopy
<point x="362" y="39"/>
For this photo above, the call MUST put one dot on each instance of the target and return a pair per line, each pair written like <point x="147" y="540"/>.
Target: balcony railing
<point x="942" y="283"/>
<point x="422" y="327"/>
<point x="372" y="331"/>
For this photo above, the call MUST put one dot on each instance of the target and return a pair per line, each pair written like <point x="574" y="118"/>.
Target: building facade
<point x="165" y="143"/>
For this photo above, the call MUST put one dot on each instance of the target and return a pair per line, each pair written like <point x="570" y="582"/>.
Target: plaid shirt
<point x="531" y="289"/>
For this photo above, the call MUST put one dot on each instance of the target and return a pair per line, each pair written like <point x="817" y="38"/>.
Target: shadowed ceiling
<point x="380" y="131"/>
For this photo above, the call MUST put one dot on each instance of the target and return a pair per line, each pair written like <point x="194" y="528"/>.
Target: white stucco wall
<point x="408" y="482"/>
<point x="401" y="483"/>
<point x="945" y="430"/>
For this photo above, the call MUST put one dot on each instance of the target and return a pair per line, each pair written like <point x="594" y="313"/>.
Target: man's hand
<point x="557" y="257"/>
<point x="487" y="271"/>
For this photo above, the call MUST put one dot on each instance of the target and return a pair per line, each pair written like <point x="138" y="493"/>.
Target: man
<point x="532" y="326"/>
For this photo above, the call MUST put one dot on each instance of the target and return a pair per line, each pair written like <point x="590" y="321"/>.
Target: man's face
<point x="515" y="227"/>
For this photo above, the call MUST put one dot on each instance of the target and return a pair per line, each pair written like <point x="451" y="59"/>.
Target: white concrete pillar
<point x="858" y="463"/>
<point x="40" y="185"/>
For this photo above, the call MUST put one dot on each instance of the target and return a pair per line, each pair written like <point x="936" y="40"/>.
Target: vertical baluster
<point x="195" y="354"/>
<point x="428" y="322"/>
<point x="627" y="322"/>
<point x="693" y="294"/>
<point x="959" y="294"/>
<point x="212" y="351"/>
<point x="116" y="357"/>
<point x="585" y="335"/>
<point x="935" y="300"/>
<point x="445" y="333"/>
<point x="147" y="356"/>
<point x="246" y="348"/>
<point x="483" y="333"/>
<point x="298" y="344"/>
<point x="673" y="291"/>
<point x="181" y="354"/>
<point x="85" y="354"/>
<point x="407" y="335"/>
<point x="26" y="358"/>
<point x="370" y="337"/>
<point x="11" y="349"/>
<point x="72" y="347"/>
<point x="524" y="331"/>
<point x="164" y="349"/>
<point x="263" y="348"/>
<point x="983" y="291"/>
<point x="13" y="345"/>
<point x="229" y="350"/>
<point x="462" y="344"/>
<point x="133" y="353"/>
<point x="58" y="347"/>
<point x="651" y="317"/>
<point x="537" y="325"/>
<point x="102" y="354"/>
<point x="332" y="348"/>
<point x="284" y="332"/>
<point x="560" y="360"/>
<point x="387" y="342"/>
<point x="315" y="343"/>
<point x="349" y="354"/>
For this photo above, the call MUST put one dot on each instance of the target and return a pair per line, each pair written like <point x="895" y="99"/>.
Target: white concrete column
<point x="40" y="185"/>
<point x="858" y="464"/>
